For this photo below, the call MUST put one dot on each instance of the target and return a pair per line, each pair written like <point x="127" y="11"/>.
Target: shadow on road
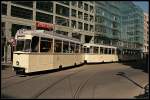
<point x="3" y="96"/>
<point x="140" y="64"/>
<point x="125" y="76"/>
<point x="145" y="95"/>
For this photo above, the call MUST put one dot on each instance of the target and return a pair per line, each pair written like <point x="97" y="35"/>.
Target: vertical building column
<point x="54" y="14"/>
<point x="34" y="16"/>
<point x="9" y="8"/>
<point x="70" y="33"/>
<point x="7" y="50"/>
<point x="82" y="38"/>
<point x="8" y="37"/>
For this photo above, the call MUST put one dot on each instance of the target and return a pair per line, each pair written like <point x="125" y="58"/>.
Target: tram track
<point x="81" y="86"/>
<point x="9" y="77"/>
<point x="24" y="80"/>
<point x="15" y="83"/>
<point x="55" y="83"/>
<point x="75" y="94"/>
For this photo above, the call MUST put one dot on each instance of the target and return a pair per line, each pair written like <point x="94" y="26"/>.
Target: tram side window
<point x="113" y="51"/>
<point x="82" y="49"/>
<point x="45" y="45"/>
<point x="105" y="50"/>
<point x="109" y="51"/>
<point x="119" y="52"/>
<point x="95" y="50"/>
<point x="86" y="50"/>
<point x="72" y="47"/>
<point x="77" y="48"/>
<point x="101" y="50"/>
<point x="65" y="47"/>
<point x="57" y="46"/>
<point x="35" y="44"/>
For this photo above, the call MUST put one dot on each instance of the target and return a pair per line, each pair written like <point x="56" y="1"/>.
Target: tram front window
<point x="23" y="45"/>
<point x="27" y="45"/>
<point x="20" y="45"/>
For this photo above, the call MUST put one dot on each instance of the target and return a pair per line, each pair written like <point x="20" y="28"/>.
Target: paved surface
<point x="113" y="80"/>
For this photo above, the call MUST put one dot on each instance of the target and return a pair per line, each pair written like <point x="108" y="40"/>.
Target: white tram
<point x="40" y="50"/>
<point x="95" y="53"/>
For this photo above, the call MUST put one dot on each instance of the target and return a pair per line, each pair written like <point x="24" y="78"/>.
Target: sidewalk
<point x="5" y="65"/>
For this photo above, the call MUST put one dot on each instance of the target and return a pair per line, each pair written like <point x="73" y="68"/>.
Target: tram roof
<point x="98" y="45"/>
<point x="49" y="34"/>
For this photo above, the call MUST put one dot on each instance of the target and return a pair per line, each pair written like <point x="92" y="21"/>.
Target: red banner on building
<point x="44" y="25"/>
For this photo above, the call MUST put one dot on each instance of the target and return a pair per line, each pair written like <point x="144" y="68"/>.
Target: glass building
<point x="119" y="23"/>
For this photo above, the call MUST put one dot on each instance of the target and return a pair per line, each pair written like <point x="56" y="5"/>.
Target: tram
<point x="95" y="53"/>
<point x="39" y="50"/>
<point x="129" y="55"/>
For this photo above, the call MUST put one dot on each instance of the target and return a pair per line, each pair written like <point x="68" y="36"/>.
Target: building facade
<point x="107" y="23"/>
<point x="70" y="18"/>
<point x="146" y="33"/>
<point x="119" y="23"/>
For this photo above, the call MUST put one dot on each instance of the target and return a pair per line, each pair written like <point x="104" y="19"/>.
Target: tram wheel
<point x="60" y="67"/>
<point x="85" y="61"/>
<point x="75" y="64"/>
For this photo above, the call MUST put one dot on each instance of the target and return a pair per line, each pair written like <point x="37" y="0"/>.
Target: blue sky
<point x="143" y="4"/>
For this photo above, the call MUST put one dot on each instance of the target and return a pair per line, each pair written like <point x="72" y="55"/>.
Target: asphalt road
<point x="113" y="80"/>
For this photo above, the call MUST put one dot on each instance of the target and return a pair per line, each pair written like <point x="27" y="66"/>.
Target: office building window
<point x="74" y="3"/>
<point x="86" y="7"/>
<point x="44" y="5"/>
<point x="21" y="13"/>
<point x="85" y="26"/>
<point x="91" y="9"/>
<point x="4" y="9"/>
<point x="3" y="28"/>
<point x="91" y="18"/>
<point x="73" y="13"/>
<point x="64" y="2"/>
<point x="80" y="15"/>
<point x="73" y="24"/>
<point x="16" y="27"/>
<point x="80" y="25"/>
<point x="91" y="28"/>
<point x="24" y="3"/>
<point x="44" y="17"/>
<point x="85" y="16"/>
<point x="62" y="21"/>
<point x="62" y="32"/>
<point x="61" y="10"/>
<point x="76" y="35"/>
<point x="80" y="4"/>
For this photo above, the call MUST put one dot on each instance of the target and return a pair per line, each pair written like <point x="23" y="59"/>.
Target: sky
<point x="143" y="4"/>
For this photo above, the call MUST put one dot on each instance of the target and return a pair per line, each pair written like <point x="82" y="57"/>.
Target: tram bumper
<point x="19" y="70"/>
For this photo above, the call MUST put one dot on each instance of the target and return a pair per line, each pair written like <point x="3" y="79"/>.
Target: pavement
<point x="93" y="81"/>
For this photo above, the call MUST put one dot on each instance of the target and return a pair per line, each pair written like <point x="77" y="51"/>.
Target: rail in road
<point x="87" y="75"/>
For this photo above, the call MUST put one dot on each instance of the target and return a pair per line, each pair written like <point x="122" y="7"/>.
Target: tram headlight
<point x="17" y="62"/>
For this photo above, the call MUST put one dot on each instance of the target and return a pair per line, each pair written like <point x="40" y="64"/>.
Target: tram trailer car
<point x="95" y="53"/>
<point x="129" y="55"/>
<point x="41" y="50"/>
